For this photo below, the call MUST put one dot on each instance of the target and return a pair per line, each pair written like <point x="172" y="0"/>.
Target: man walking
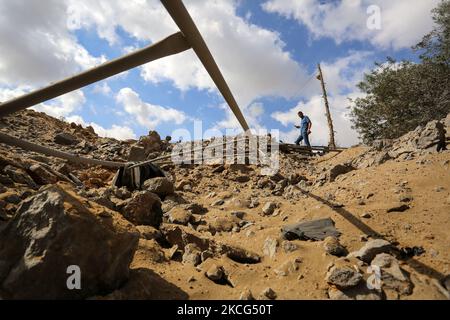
<point x="305" y="129"/>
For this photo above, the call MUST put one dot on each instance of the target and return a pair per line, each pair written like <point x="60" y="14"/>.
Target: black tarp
<point x="311" y="230"/>
<point x="134" y="178"/>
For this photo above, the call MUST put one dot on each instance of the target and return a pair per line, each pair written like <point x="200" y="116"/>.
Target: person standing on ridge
<point x="305" y="129"/>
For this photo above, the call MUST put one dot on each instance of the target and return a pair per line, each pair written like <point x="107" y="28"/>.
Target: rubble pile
<point x="368" y="223"/>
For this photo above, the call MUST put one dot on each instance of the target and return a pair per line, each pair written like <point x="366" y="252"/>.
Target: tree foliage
<point x="399" y="96"/>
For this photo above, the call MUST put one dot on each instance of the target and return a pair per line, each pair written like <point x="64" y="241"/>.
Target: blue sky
<point x="267" y="50"/>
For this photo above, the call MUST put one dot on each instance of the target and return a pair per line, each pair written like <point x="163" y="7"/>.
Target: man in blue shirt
<point x="305" y="129"/>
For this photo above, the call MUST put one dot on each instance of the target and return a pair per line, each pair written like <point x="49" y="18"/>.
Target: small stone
<point x="236" y="229"/>
<point x="405" y="198"/>
<point x="206" y="255"/>
<point x="218" y="203"/>
<point x="250" y="234"/>
<point x="191" y="255"/>
<point x="238" y="214"/>
<point x="179" y="215"/>
<point x="287" y="268"/>
<point x="269" y="294"/>
<point x="246" y="295"/>
<point x="215" y="273"/>
<point x="288" y="246"/>
<point x="269" y="208"/>
<point x="398" y="208"/>
<point x="270" y="247"/>
<point x="333" y="247"/>
<point x="366" y="215"/>
<point x="343" y="277"/>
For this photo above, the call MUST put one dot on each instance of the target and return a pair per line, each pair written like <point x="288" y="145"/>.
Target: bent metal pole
<point x="171" y="45"/>
<point x="181" y="16"/>
<point x="15" y="142"/>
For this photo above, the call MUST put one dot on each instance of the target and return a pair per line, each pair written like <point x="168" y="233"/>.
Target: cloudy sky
<point x="267" y="50"/>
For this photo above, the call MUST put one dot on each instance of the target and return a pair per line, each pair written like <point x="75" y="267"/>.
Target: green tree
<point x="399" y="96"/>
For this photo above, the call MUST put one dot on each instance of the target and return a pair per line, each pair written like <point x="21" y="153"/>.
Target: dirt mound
<point x="215" y="231"/>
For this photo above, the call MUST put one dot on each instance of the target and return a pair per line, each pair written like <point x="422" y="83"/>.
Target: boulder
<point x="179" y="215"/>
<point x="269" y="208"/>
<point x="144" y="208"/>
<point x="19" y="176"/>
<point x="392" y="276"/>
<point x="270" y="247"/>
<point x="192" y="255"/>
<point x="160" y="186"/>
<point x="54" y="230"/>
<point x="371" y="249"/>
<point x="215" y="273"/>
<point x="137" y="153"/>
<point x="268" y="293"/>
<point x="41" y="175"/>
<point x="65" y="138"/>
<point x="343" y="277"/>
<point x="333" y="247"/>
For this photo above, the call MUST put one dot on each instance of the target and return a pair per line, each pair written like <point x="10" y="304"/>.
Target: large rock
<point x="333" y="247"/>
<point x="137" y="153"/>
<point x="151" y="143"/>
<point x="41" y="175"/>
<point x="54" y="230"/>
<point x="160" y="186"/>
<point x="179" y="215"/>
<point x="371" y="249"/>
<point x="144" y="208"/>
<point x="65" y="138"/>
<point x="343" y="277"/>
<point x="392" y="276"/>
<point x="270" y="247"/>
<point x="20" y="176"/>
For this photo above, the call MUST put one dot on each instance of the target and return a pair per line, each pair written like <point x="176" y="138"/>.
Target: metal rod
<point x="171" y="45"/>
<point x="13" y="141"/>
<point x="181" y="16"/>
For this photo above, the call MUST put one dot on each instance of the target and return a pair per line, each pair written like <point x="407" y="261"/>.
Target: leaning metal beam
<point x="171" y="45"/>
<point x="13" y="141"/>
<point x="181" y="16"/>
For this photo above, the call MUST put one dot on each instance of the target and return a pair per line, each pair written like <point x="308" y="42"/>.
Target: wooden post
<point x="331" y="143"/>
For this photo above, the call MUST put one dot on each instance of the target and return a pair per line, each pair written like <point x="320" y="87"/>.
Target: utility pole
<point x="331" y="143"/>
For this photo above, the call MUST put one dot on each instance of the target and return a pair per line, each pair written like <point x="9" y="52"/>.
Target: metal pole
<point x="181" y="16"/>
<point x="332" y="143"/>
<point x="173" y="44"/>
<point x="13" y="141"/>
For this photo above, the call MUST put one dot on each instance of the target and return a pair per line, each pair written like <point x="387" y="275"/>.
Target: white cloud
<point x="147" y="114"/>
<point x="253" y="59"/>
<point x="102" y="88"/>
<point x="59" y="107"/>
<point x="116" y="131"/>
<point x="403" y="22"/>
<point x="36" y="47"/>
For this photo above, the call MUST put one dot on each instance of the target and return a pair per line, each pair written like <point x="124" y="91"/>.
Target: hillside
<point x="215" y="232"/>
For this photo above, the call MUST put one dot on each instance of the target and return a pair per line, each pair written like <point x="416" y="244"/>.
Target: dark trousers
<point x="303" y="136"/>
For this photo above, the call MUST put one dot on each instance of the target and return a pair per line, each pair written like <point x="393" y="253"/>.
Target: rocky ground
<point x="214" y="232"/>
